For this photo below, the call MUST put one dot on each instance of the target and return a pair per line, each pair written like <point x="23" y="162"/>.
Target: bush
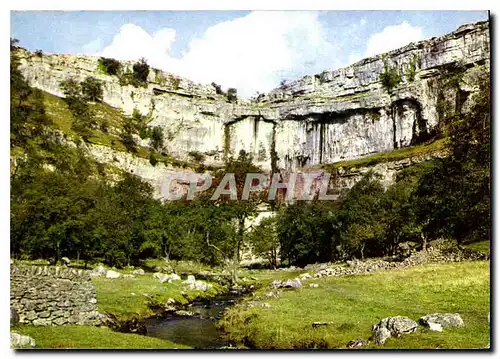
<point x="109" y="66"/>
<point x="39" y="53"/>
<point x="141" y="70"/>
<point x="196" y="155"/>
<point x="153" y="159"/>
<point x="218" y="89"/>
<point x="232" y="95"/>
<point x="92" y="89"/>
<point x="156" y="138"/>
<point x="390" y="78"/>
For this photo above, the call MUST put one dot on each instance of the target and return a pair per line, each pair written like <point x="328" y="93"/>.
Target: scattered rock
<point x="112" y="274"/>
<point x="139" y="271"/>
<point x="128" y="276"/>
<point x="18" y="341"/>
<point x="98" y="271"/>
<point x="293" y="283"/>
<point x="399" y="325"/>
<point x="320" y="324"/>
<point x="446" y="320"/>
<point x="184" y="313"/>
<point x="314" y="285"/>
<point x="190" y="280"/>
<point x="170" y="301"/>
<point x="305" y="276"/>
<point x="357" y="343"/>
<point x="66" y="261"/>
<point x="435" y="327"/>
<point x="133" y="294"/>
<point x="380" y="335"/>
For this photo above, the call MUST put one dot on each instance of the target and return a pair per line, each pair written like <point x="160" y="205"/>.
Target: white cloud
<point x="393" y="37"/>
<point x="252" y="53"/>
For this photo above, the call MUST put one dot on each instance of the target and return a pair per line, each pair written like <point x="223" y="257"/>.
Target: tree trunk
<point x="424" y="242"/>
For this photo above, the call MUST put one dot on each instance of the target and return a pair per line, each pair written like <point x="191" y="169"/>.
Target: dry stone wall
<point x="53" y="296"/>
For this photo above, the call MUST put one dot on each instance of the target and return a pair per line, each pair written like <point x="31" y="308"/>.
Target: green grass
<point x="395" y="155"/>
<point x="115" y="295"/>
<point x="353" y="304"/>
<point x="483" y="246"/>
<point x="87" y="337"/>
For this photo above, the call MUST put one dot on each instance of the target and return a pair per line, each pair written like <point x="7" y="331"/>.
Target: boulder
<point x="174" y="276"/>
<point x="98" y="271"/>
<point x="190" y="280"/>
<point x="170" y="301"/>
<point x="18" y="341"/>
<point x="184" y="313"/>
<point x="356" y="343"/>
<point x="128" y="276"/>
<point x="293" y="283"/>
<point x="435" y="327"/>
<point x="14" y="316"/>
<point x="399" y="325"/>
<point x="139" y="271"/>
<point x="380" y="335"/>
<point x="112" y="274"/>
<point x="163" y="278"/>
<point x="446" y="320"/>
<point x="66" y="261"/>
<point x="314" y="285"/>
<point x="305" y="276"/>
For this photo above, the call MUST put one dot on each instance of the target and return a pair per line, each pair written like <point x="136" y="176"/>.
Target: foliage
<point x="153" y="160"/>
<point x="157" y="139"/>
<point x="265" y="242"/>
<point x="109" y="66"/>
<point x="196" y="156"/>
<point x="412" y="68"/>
<point x="77" y="104"/>
<point x="92" y="89"/>
<point x="141" y="70"/>
<point x="39" y="53"/>
<point x="232" y="95"/>
<point x="218" y="89"/>
<point x="390" y="78"/>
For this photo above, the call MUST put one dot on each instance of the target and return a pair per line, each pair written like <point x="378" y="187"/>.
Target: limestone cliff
<point x="336" y="115"/>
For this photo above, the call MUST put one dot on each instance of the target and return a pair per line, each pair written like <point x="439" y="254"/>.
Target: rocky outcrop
<point x="53" y="296"/>
<point x="336" y="115"/>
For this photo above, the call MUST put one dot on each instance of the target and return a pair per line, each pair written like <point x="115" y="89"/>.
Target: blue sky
<point x="251" y="51"/>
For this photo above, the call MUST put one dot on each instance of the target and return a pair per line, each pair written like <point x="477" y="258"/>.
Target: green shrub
<point x="39" y="53"/>
<point x="218" y="89"/>
<point x="141" y="70"/>
<point x="156" y="138"/>
<point x="196" y="156"/>
<point x="153" y="159"/>
<point x="390" y="78"/>
<point x="109" y="66"/>
<point x="232" y="95"/>
<point x="412" y="68"/>
<point x="92" y="89"/>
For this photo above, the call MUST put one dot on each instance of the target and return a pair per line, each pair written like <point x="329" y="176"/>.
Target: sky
<point x="249" y="50"/>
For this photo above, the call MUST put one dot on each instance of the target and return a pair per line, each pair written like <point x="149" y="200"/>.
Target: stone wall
<point x="53" y="296"/>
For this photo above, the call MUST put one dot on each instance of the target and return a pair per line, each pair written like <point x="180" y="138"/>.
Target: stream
<point x="199" y="331"/>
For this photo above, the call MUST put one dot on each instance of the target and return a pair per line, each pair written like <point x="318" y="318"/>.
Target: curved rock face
<point x="336" y="115"/>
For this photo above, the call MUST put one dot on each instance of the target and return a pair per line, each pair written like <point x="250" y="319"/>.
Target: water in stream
<point x="198" y="332"/>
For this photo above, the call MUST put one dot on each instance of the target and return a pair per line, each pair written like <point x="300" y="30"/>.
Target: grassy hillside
<point x="354" y="303"/>
<point x="86" y="337"/>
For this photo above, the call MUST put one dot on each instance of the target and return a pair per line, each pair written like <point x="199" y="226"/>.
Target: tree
<point x="232" y="95"/>
<point x="141" y="70"/>
<point x="157" y="138"/>
<point x="92" y="89"/>
<point x="109" y="66"/>
<point x="264" y="241"/>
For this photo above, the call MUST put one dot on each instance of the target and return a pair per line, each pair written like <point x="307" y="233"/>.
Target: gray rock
<point x="139" y="271"/>
<point x="128" y="276"/>
<point x="44" y="322"/>
<point x="98" y="271"/>
<point x="14" y="316"/>
<point x="113" y="274"/>
<point x="446" y="320"/>
<point x="380" y="335"/>
<point x="184" y="313"/>
<point x="305" y="276"/>
<point x="314" y="285"/>
<point x="398" y="325"/>
<point x="435" y="327"/>
<point x="18" y="341"/>
<point x="357" y="343"/>
<point x="293" y="283"/>
<point x="66" y="261"/>
<point x="190" y="280"/>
